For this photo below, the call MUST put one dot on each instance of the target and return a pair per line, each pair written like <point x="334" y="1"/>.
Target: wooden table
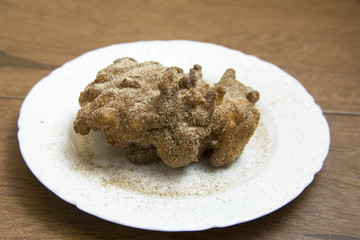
<point x="318" y="42"/>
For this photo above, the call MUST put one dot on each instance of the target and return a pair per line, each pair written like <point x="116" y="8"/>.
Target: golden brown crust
<point x="161" y="112"/>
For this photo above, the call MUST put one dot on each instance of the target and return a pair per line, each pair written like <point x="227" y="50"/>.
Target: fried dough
<point x="159" y="112"/>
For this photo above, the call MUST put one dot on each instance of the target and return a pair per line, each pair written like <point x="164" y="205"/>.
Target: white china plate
<point x="286" y="151"/>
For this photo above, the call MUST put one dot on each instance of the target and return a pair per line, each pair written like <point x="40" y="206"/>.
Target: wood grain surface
<point x="318" y="42"/>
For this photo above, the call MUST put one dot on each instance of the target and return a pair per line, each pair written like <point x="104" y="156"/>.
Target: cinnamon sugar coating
<point x="159" y="112"/>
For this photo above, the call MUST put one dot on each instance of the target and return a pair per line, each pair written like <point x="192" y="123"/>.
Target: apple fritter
<point x="159" y="112"/>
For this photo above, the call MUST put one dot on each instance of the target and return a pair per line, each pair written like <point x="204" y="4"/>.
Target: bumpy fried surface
<point x="161" y="112"/>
